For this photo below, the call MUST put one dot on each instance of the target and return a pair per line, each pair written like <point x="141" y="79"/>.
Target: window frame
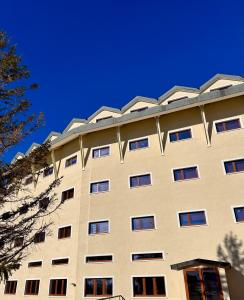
<point x="68" y="158"/>
<point x="229" y="160"/>
<point x="226" y="120"/>
<point x="150" y="296"/>
<point x="99" y="262"/>
<point x="100" y="147"/>
<point x="40" y="233"/>
<point x="147" y="252"/>
<point x="38" y="287"/>
<point x="139" y="139"/>
<point x="233" y="213"/>
<point x="99" y="181"/>
<point x="49" y="167"/>
<point x="179" y="130"/>
<point x="67" y="189"/>
<point x="186" y="167"/>
<point x="137" y="175"/>
<point x="57" y="258"/>
<point x="58" y="278"/>
<point x="143" y="216"/>
<point x="98" y="221"/>
<point x="33" y="261"/>
<point x="98" y="277"/>
<point x="192" y="211"/>
<point x="68" y="225"/>
<point x="15" y="287"/>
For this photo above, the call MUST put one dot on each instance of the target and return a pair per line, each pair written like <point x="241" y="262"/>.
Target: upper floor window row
<point x="228" y="125"/>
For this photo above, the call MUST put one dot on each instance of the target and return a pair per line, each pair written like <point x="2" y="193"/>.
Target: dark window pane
<point x="173" y="137"/>
<point x="139" y="109"/>
<point x="138" y="286"/>
<point x="140" y="180"/>
<point x="33" y="264"/>
<point x="145" y="256"/>
<point x="60" y="261"/>
<point x="43" y="203"/>
<point x="180" y="135"/>
<point x="104" y="151"/>
<point x="39" y="237"/>
<point x="102" y="186"/>
<point x="229" y="167"/>
<point x="228" y="125"/>
<point x="239" y="165"/>
<point x="99" y="290"/>
<point x="183" y="219"/>
<point x="220" y="127"/>
<point x="100" y="258"/>
<point x="48" y="171"/>
<point x="178" y="175"/>
<point x="160" y="283"/>
<point x="95" y="153"/>
<point x="239" y="214"/>
<point x="234" y="166"/>
<point x="194" y="285"/>
<point x="102" y="119"/>
<point x="64" y="232"/>
<point x="192" y="218"/>
<point x="67" y="194"/>
<point x="109" y="284"/>
<point x="89" y="287"/>
<point x="149" y="286"/>
<point x="143" y="143"/>
<point x="143" y="223"/>
<point x="10" y="287"/>
<point x="190" y="173"/>
<point x="98" y="227"/>
<point x="71" y="161"/>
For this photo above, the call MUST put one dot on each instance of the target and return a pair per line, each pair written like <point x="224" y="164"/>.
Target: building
<point x="154" y="201"/>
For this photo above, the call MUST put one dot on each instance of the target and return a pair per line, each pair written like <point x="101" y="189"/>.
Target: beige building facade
<point x="154" y="202"/>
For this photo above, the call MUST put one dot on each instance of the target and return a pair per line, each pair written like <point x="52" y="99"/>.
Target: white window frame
<point x="138" y="139"/>
<point x="140" y="174"/>
<point x="142" y="216"/>
<point x="185" y="167"/>
<point x="98" y="262"/>
<point x="54" y="278"/>
<point x="100" y="147"/>
<point x="97" y="221"/>
<point x="147" y="252"/>
<point x="25" y="286"/>
<point x="192" y="211"/>
<point x="69" y="157"/>
<point x="95" y="277"/>
<point x="178" y="130"/>
<point x="150" y="275"/>
<point x="233" y="213"/>
<point x="99" y="181"/>
<point x="63" y="226"/>
<point x="226" y="120"/>
<point x="228" y="160"/>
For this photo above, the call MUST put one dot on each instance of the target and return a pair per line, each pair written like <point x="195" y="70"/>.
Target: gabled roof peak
<point x="32" y="147"/>
<point x="73" y="121"/>
<point x="138" y="99"/>
<point x="104" y="108"/>
<point x="177" y="88"/>
<point x="18" y="155"/>
<point x="51" y="134"/>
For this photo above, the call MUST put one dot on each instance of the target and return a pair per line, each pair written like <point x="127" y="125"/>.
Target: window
<point x="149" y="286"/>
<point x="185" y="173"/>
<point x="97" y="187"/>
<point x="147" y="256"/>
<point x="138" y="144"/>
<point x="174" y="100"/>
<point x="18" y="242"/>
<point x="99" y="258"/>
<point x="140" y="180"/>
<point x="39" y="237"/>
<point x="139" y="109"/>
<point x="58" y="287"/>
<point x="60" y="261"/>
<point x="68" y="194"/>
<point x="96" y="287"/>
<point x="239" y="214"/>
<point x="33" y="264"/>
<point x="43" y="203"/>
<point x="10" y="287"/>
<point x="102" y="119"/>
<point x="100" y="152"/>
<point x="32" y="287"/>
<point x="192" y="218"/>
<point x="98" y="227"/>
<point x="228" y="125"/>
<point x="142" y="223"/>
<point x="29" y="180"/>
<point x="64" y="232"/>
<point x="71" y="161"/>
<point x="48" y="171"/>
<point x="180" y="135"/>
<point x="234" y="166"/>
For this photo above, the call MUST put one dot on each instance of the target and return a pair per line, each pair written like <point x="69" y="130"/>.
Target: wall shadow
<point x="231" y="250"/>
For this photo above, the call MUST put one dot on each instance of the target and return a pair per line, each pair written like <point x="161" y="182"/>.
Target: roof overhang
<point x="200" y="262"/>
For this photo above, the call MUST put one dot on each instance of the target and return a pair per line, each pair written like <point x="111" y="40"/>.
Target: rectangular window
<point x="29" y="180"/>
<point x="228" y="125"/>
<point x="234" y="166"/>
<point x="239" y="214"/>
<point x="180" y="135"/>
<point x="98" y="227"/>
<point x="32" y="287"/>
<point x="68" y="194"/>
<point x="138" y="144"/>
<point x="147" y="256"/>
<point x="10" y="287"/>
<point x="102" y="119"/>
<point x="19" y="242"/>
<point x="39" y="237"/>
<point x="48" y="171"/>
<point x="60" y="261"/>
<point x="192" y="218"/>
<point x="140" y="180"/>
<point x="97" y="287"/>
<point x="149" y="286"/>
<point x="98" y="187"/>
<point x="100" y="152"/>
<point x="186" y="173"/>
<point x="99" y="258"/>
<point x="142" y="223"/>
<point x="71" y="161"/>
<point x="34" y="264"/>
<point x="64" y="232"/>
<point x="139" y="109"/>
<point x="43" y="203"/>
<point x="58" y="287"/>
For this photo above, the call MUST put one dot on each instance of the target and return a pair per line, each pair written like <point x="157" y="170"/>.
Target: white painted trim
<point x="147" y="252"/>
<point x="99" y="181"/>
<point x="228" y="160"/>
<point x="233" y="213"/>
<point x="63" y="226"/>
<point x="149" y="275"/>
<point x="98" y="262"/>
<point x="100" y="147"/>
<point x="228" y="119"/>
<point x="53" y="278"/>
<point x="140" y="174"/>
<point x="95" y="277"/>
<point x="178" y="130"/>
<point x="142" y="216"/>
<point x="97" y="221"/>
<point x="185" y="167"/>
<point x="138" y="139"/>
<point x="189" y="211"/>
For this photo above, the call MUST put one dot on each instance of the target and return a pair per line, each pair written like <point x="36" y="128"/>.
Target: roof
<point x="33" y="146"/>
<point x="138" y="99"/>
<point x="218" y="77"/>
<point x="52" y="133"/>
<point x="104" y="108"/>
<point x="177" y="88"/>
<point x="74" y="120"/>
<point x="200" y="262"/>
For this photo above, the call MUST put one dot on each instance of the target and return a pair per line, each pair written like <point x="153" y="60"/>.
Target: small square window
<point x="185" y="173"/>
<point x="192" y="218"/>
<point x="140" y="180"/>
<point x="143" y="223"/>
<point x="71" y="161"/>
<point x="239" y="214"/>
<point x="98" y="187"/>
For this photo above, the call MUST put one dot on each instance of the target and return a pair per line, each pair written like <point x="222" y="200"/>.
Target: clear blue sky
<point x="85" y="54"/>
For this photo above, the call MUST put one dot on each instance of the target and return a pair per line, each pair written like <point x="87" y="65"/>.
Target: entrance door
<point x="203" y="284"/>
